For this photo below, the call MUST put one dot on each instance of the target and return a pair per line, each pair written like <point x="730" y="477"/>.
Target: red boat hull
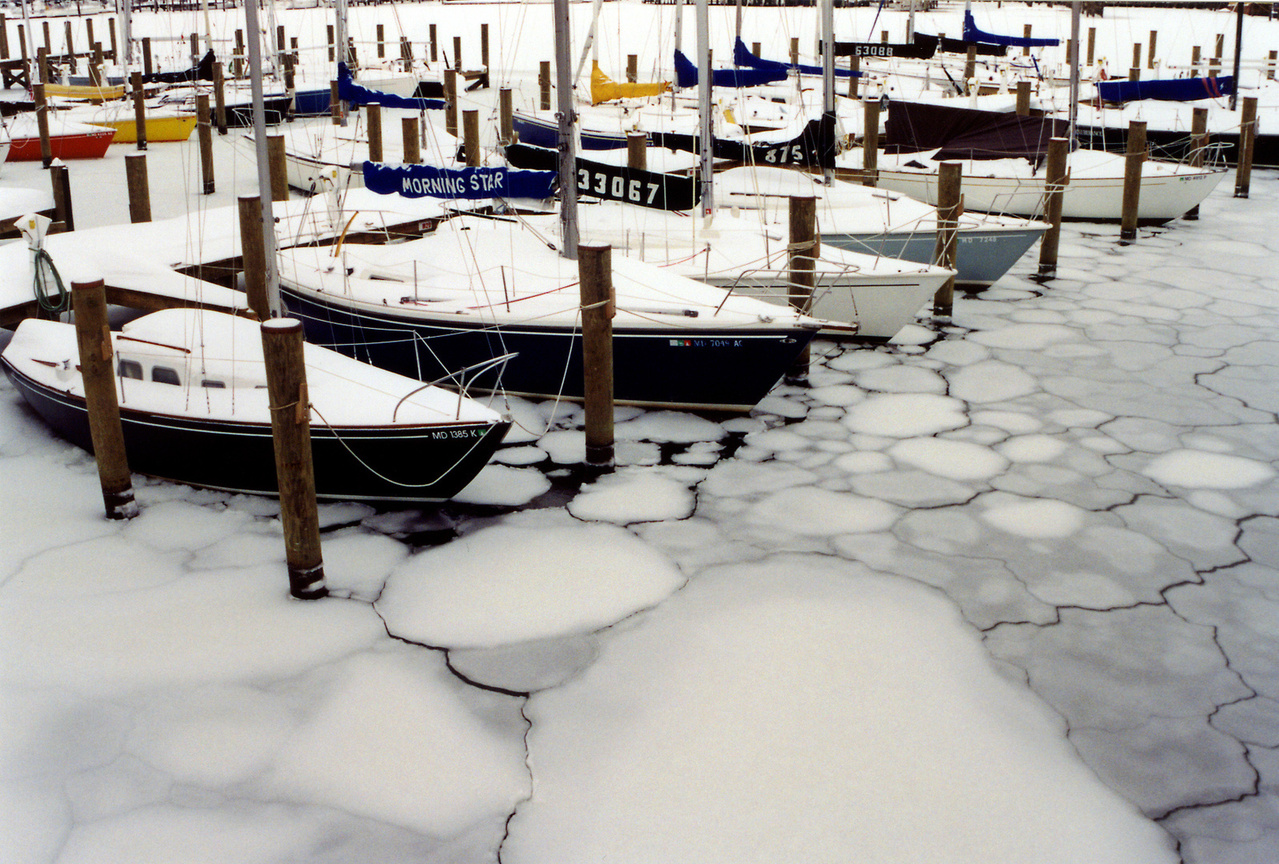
<point x="86" y="145"/>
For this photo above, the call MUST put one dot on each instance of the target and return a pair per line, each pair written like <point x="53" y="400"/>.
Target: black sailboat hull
<point x="408" y="464"/>
<point x="685" y="368"/>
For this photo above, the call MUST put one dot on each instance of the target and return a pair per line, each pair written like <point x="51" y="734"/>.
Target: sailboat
<point x="194" y="410"/>
<point x="1003" y="162"/>
<point x="195" y="407"/>
<point x="485" y="287"/>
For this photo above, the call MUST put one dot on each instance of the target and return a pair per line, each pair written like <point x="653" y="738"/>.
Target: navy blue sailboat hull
<point x="417" y="464"/>
<point x="729" y="370"/>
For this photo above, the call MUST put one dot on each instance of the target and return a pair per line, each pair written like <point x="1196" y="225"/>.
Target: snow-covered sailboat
<point x="194" y="409"/>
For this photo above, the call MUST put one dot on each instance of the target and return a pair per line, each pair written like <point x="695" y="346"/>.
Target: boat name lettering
<point x="864" y="50"/>
<point x="616" y="187"/>
<point x="784" y="154"/>
<point x="706" y="343"/>
<point x="456" y="433"/>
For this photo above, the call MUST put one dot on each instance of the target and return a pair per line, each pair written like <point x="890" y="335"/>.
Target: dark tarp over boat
<point x="959" y="46"/>
<point x="917" y="50"/>
<point x="743" y="57"/>
<point x="613" y="182"/>
<point x="356" y="94"/>
<point x="427" y="181"/>
<point x="815" y="146"/>
<point x="686" y="75"/>
<point x="972" y="34"/>
<point x="966" y="133"/>
<point x="202" y="71"/>
<point x="1166" y="89"/>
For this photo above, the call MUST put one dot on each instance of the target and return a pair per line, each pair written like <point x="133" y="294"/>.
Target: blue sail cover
<point x="686" y="75"/>
<point x="427" y="181"/>
<point x="972" y="34"/>
<point x="355" y="94"/>
<point x="1166" y="89"/>
<point x="743" y="57"/>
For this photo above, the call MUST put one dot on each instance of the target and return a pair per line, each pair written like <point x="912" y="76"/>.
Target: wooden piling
<point x="637" y="151"/>
<point x="277" y="167"/>
<point x="801" y="263"/>
<point x="1092" y="44"/>
<point x="381" y="41"/>
<point x="794" y="51"/>
<point x="970" y="68"/>
<point x="450" y="101"/>
<point x="632" y="68"/>
<point x="406" y="53"/>
<point x="1133" y="160"/>
<point x="434" y="49"/>
<point x="1054" y="192"/>
<point x="1247" y="140"/>
<point x="484" y="45"/>
<point x="870" y="142"/>
<point x="506" y="127"/>
<point x="1136" y="56"/>
<point x="219" y="97"/>
<point x="335" y="104"/>
<point x="294" y="469"/>
<point x="373" y="119"/>
<point x="139" y="108"/>
<point x="471" y="137"/>
<point x="1023" y="98"/>
<point x="135" y="170"/>
<point x="70" y="46"/>
<point x="147" y="62"/>
<point x="204" y="134"/>
<point x="1150" y="55"/>
<point x="949" y="191"/>
<point x="1025" y="51"/>
<point x="1198" y="148"/>
<point x="330" y="40"/>
<point x="457" y="52"/>
<point x="97" y="370"/>
<point x="60" y="179"/>
<point x="412" y="144"/>
<point x="595" y="272"/>
<point x="253" y="255"/>
<point x="1194" y="59"/>
<point x="290" y="84"/>
<point x="854" y="78"/>
<point x="544" y="84"/>
<point x="42" y="123"/>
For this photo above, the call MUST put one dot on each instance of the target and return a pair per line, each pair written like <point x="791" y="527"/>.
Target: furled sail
<point x="605" y="89"/>
<point x="686" y="75"/>
<point x="1166" y="89"/>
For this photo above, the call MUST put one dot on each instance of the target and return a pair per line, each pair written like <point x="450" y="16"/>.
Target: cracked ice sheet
<point x="849" y="711"/>
<point x="538" y="575"/>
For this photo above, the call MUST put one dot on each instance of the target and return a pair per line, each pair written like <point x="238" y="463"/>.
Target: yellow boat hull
<point x="105" y="93"/>
<point x="176" y="128"/>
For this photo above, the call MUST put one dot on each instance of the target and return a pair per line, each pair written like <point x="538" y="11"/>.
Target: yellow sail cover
<point x="604" y="88"/>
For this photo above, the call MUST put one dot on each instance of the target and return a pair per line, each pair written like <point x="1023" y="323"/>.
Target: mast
<point x="126" y="33"/>
<point x="1073" y="59"/>
<point x="828" y="78"/>
<point x="564" y="114"/>
<point x="339" y="35"/>
<point x="704" y="108"/>
<point x="589" y="46"/>
<point x="272" y="279"/>
<point x="1234" y="91"/>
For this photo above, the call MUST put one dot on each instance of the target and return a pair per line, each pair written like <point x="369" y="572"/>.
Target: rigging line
<point x="378" y="474"/>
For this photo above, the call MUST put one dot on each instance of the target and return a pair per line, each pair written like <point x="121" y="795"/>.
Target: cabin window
<point x="130" y="369"/>
<point x="165" y="375"/>
<point x="213" y="384"/>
